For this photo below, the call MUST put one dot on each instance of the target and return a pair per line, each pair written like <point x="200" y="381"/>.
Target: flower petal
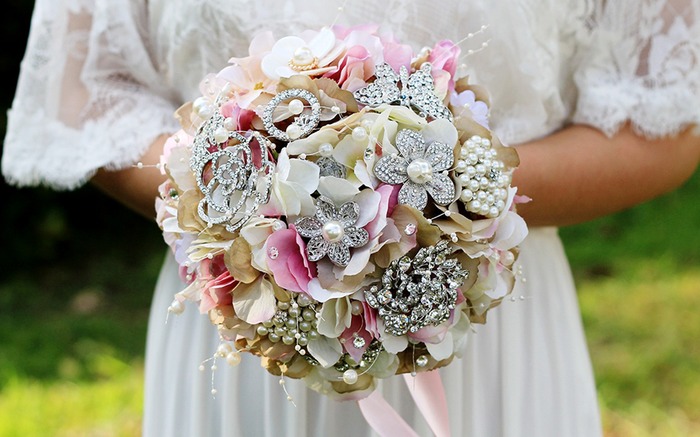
<point x="442" y="350"/>
<point x="441" y="130"/>
<point x="348" y="213"/>
<point x="441" y="189"/>
<point x="327" y="351"/>
<point x="308" y="227"/>
<point x="391" y="169"/>
<point x="339" y="254"/>
<point x="355" y="237"/>
<point x="440" y="155"/>
<point x="255" y="302"/>
<point x="337" y="189"/>
<point x="410" y="143"/>
<point x="317" y="248"/>
<point x="414" y="195"/>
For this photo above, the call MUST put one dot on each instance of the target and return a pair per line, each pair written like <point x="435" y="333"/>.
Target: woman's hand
<point x="134" y="187"/>
<point x="579" y="174"/>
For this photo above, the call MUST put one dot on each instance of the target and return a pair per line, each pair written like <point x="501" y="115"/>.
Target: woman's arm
<point x="134" y="187"/>
<point x="578" y="173"/>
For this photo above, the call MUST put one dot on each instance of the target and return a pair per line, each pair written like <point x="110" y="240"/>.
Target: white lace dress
<point x="101" y="79"/>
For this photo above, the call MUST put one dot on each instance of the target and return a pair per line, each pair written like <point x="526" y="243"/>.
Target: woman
<point x="600" y="99"/>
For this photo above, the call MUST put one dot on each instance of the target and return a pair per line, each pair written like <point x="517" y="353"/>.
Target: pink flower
<point x="444" y="56"/>
<point x="219" y="284"/>
<point x="356" y="330"/>
<point x="436" y="334"/>
<point x="396" y="54"/>
<point x="290" y="267"/>
<point x="370" y="316"/>
<point x="243" y="117"/>
<point x="354" y="69"/>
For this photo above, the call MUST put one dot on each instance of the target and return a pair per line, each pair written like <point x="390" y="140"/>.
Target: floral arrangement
<point x="340" y="208"/>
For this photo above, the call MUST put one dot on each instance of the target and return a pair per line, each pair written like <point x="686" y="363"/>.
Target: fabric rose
<point x="287" y="260"/>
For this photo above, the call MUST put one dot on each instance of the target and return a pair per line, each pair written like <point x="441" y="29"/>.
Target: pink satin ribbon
<point x="428" y="394"/>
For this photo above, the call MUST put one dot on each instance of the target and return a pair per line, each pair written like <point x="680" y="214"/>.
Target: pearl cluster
<point x="295" y="321"/>
<point x="481" y="174"/>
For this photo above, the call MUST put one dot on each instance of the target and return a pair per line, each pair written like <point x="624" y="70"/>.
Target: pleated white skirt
<point x="525" y="373"/>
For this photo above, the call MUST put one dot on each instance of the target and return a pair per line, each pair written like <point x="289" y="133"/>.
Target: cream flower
<point x="294" y="55"/>
<point x="293" y="182"/>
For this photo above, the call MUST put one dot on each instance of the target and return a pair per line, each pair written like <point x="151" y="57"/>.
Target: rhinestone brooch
<point x="224" y="165"/>
<point x="332" y="231"/>
<point x="419" y="291"/>
<point x="421" y="168"/>
<point x="417" y="91"/>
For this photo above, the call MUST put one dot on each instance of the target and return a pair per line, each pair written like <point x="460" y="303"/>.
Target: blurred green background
<point x="75" y="290"/>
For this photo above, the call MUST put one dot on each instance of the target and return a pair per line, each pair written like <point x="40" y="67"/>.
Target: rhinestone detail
<point x="419" y="291"/>
<point x="394" y="169"/>
<point x="417" y="91"/>
<point x="306" y="121"/>
<point x="233" y="186"/>
<point x="313" y="228"/>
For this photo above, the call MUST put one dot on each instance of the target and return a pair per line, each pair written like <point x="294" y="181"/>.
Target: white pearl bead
<point x="221" y="135"/>
<point x="202" y="108"/>
<point x="230" y="124"/>
<point x="484" y="210"/>
<point x="464" y="179"/>
<point x="223" y="349"/>
<point x="333" y="231"/>
<point x="303" y="300"/>
<point x="356" y="308"/>
<point x="473" y="185"/>
<point x="420" y="171"/>
<point x="303" y="56"/>
<point x="350" y="376"/>
<point x="367" y="124"/>
<point x="359" y="133"/>
<point x="176" y="307"/>
<point x="325" y="149"/>
<point x="296" y="106"/>
<point x="293" y="131"/>
<point x="461" y="166"/>
<point x="335" y="109"/>
<point x="481" y="195"/>
<point x="466" y="196"/>
<point x="500" y="205"/>
<point x="507" y="258"/>
<point x="278" y="225"/>
<point x="474" y="206"/>
<point x="493" y="212"/>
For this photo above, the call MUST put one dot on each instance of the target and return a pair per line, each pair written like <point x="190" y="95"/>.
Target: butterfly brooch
<point x="416" y="91"/>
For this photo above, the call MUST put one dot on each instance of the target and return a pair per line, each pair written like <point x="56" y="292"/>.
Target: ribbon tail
<point x="382" y="417"/>
<point x="429" y="395"/>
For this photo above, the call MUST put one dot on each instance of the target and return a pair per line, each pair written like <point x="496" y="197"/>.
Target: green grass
<point x="642" y="330"/>
<point x="106" y="407"/>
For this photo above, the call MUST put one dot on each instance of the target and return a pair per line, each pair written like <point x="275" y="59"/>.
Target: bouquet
<point x="339" y="207"/>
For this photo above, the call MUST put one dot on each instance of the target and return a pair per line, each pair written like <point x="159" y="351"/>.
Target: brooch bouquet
<point x="339" y="207"/>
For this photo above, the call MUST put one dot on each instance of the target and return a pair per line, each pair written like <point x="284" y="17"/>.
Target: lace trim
<point x="653" y="113"/>
<point x="63" y="158"/>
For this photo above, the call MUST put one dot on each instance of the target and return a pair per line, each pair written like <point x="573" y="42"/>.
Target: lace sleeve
<point x="88" y="96"/>
<point x="642" y="65"/>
